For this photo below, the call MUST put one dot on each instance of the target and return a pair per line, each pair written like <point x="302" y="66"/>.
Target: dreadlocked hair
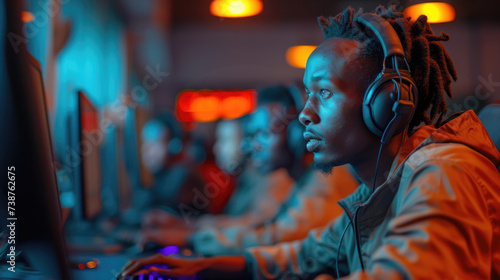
<point x="430" y="64"/>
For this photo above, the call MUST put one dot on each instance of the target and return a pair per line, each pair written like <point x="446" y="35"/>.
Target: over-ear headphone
<point x="390" y="100"/>
<point x="294" y="131"/>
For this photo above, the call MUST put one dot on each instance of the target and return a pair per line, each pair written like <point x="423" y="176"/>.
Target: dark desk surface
<point x="108" y="268"/>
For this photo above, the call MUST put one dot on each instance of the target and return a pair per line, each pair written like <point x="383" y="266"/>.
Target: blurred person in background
<point x="312" y="203"/>
<point x="257" y="196"/>
<point x="176" y="178"/>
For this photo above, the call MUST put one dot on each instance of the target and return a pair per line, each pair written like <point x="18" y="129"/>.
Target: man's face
<point x="154" y="148"/>
<point x="268" y="129"/>
<point x="227" y="147"/>
<point x="335" y="84"/>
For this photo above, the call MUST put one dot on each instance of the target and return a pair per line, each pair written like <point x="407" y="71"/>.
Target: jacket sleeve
<point x="266" y="198"/>
<point x="442" y="226"/>
<point x="313" y="206"/>
<point x="303" y="258"/>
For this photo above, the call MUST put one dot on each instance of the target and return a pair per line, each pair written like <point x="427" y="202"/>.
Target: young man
<point x="431" y="210"/>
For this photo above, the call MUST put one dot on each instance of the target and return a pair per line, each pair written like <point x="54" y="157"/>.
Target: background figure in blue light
<point x="162" y="154"/>
<point x="257" y="197"/>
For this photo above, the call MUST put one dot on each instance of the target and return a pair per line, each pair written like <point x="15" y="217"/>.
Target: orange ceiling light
<point x="211" y="105"/>
<point x="236" y="8"/>
<point x="205" y="108"/>
<point x="297" y="56"/>
<point x="27" y="16"/>
<point x="435" y="11"/>
<point x="235" y="107"/>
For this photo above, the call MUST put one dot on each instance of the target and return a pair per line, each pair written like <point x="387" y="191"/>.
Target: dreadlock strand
<point x="419" y="68"/>
<point x="401" y="27"/>
<point x="324" y="23"/>
<point x="346" y="20"/>
<point x="437" y="53"/>
<point x="418" y="26"/>
<point x="436" y="86"/>
<point x="450" y="66"/>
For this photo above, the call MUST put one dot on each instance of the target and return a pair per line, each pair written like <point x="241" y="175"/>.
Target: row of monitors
<point x="27" y="152"/>
<point x="83" y="129"/>
<point x="29" y="149"/>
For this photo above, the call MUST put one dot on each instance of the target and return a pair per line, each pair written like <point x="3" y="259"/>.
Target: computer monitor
<point x="89" y="136"/>
<point x="26" y="152"/>
<point x="140" y="117"/>
<point x="82" y="164"/>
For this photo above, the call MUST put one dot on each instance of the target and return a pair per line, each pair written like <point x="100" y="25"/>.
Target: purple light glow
<point x="169" y="250"/>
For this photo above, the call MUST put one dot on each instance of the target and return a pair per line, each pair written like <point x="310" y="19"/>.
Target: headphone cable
<point x="376" y="167"/>
<point x="356" y="235"/>
<point x="338" y="248"/>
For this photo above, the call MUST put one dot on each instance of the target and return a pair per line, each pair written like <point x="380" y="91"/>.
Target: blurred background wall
<point x="125" y="54"/>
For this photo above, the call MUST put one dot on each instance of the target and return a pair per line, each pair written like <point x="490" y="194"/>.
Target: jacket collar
<point x="465" y="129"/>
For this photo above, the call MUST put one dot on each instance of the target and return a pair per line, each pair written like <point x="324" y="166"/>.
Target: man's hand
<point x="172" y="266"/>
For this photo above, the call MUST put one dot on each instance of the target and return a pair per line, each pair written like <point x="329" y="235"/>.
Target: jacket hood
<point x="465" y="129"/>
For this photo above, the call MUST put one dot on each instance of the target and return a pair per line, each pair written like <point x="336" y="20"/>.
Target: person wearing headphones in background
<point x="277" y="143"/>
<point x="429" y="202"/>
<point x="162" y="228"/>
<point x="162" y="154"/>
<point x="258" y="195"/>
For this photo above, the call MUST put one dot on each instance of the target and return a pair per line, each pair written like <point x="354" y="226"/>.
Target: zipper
<point x="356" y="234"/>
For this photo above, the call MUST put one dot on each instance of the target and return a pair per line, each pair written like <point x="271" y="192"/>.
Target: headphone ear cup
<point x="379" y="101"/>
<point x="377" y="105"/>
<point x="294" y="138"/>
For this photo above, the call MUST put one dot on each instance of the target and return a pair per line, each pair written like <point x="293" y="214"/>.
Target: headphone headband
<point x="390" y="100"/>
<point x="385" y="33"/>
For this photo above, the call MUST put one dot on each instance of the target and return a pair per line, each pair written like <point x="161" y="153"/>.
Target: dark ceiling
<point x="286" y="10"/>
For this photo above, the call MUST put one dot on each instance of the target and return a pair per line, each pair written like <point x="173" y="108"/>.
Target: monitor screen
<point x="90" y="191"/>
<point x="141" y="117"/>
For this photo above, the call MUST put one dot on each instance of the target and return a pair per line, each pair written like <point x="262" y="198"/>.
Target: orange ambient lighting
<point x="297" y="56"/>
<point x="27" y="17"/>
<point x="210" y="105"/>
<point x="91" y="265"/>
<point x="235" y="107"/>
<point x="205" y="109"/>
<point x="236" y="8"/>
<point x="435" y="12"/>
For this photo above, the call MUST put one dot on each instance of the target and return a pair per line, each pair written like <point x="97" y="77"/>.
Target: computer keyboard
<point x="156" y="276"/>
<point x="151" y="276"/>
